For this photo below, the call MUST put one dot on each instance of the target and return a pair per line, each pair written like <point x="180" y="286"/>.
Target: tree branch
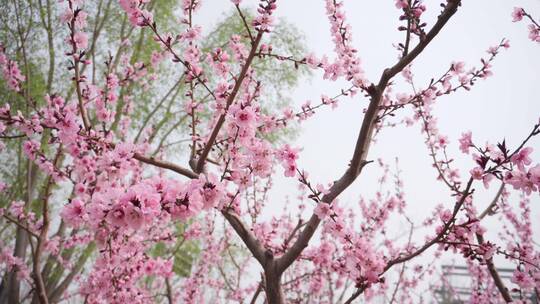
<point x="21" y="225"/>
<point x="364" y="138"/>
<point x="247" y="237"/>
<point x="495" y="275"/>
<point x="230" y="100"/>
<point x="489" y="209"/>
<point x="166" y="165"/>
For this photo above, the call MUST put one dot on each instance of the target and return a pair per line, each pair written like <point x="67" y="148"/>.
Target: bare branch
<point x="166" y="165"/>
<point x="247" y="237"/>
<point x="489" y="209"/>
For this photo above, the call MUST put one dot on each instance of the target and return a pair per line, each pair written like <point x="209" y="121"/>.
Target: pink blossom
<point x="517" y="14"/>
<point x="407" y="74"/>
<point x="401" y="4"/>
<point x="80" y="20"/>
<point x="442" y="141"/>
<point x="146" y="18"/>
<point x="477" y="173"/>
<point x="534" y="32"/>
<point x="134" y="217"/>
<point x="264" y="20"/>
<point x="31" y="148"/>
<point x="487" y="179"/>
<point x="17" y="208"/>
<point x="522" y="159"/>
<point x="347" y="63"/>
<point x="522" y="279"/>
<point x="212" y="191"/>
<point x="290" y="170"/>
<point x="52" y="245"/>
<point x="458" y="67"/>
<point x="288" y="156"/>
<point x="487" y="250"/>
<point x="129" y="201"/>
<point x="74" y="213"/>
<point x="80" y="188"/>
<point x="191" y="34"/>
<point x="465" y="142"/>
<point x="117" y="215"/>
<point x="520" y="180"/>
<point x="333" y="71"/>
<point x="534" y="173"/>
<point x="66" y="16"/>
<point x="245" y="117"/>
<point x="80" y="39"/>
<point x="312" y="61"/>
<point x="322" y="210"/>
<point x="10" y="71"/>
<point x="446" y="216"/>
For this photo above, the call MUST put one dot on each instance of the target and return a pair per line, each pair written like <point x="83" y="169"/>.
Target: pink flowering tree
<point x="115" y="205"/>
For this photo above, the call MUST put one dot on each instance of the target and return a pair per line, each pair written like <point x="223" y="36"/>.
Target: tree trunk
<point x="274" y="294"/>
<point x="10" y="294"/>
<point x="11" y="290"/>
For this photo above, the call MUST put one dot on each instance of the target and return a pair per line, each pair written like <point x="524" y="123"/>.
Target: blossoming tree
<point x="109" y="187"/>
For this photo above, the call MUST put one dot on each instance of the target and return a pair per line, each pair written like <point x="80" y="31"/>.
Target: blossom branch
<point x="364" y="138"/>
<point x="244" y="21"/>
<point x="230" y="99"/>
<point x="494" y="274"/>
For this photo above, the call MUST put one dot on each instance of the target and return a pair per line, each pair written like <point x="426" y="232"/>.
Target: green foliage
<point x="184" y="258"/>
<point x="285" y="39"/>
<point x="280" y="76"/>
<point x="183" y="252"/>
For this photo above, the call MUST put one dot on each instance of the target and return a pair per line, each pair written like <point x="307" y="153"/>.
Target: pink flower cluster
<point x="264" y="20"/>
<point x="143" y="203"/>
<point x="137" y="16"/>
<point x="534" y="28"/>
<point x="517" y="14"/>
<point x="526" y="177"/>
<point x="75" y="17"/>
<point x="347" y="63"/>
<point x="288" y="156"/>
<point x="412" y="16"/>
<point x="10" y="71"/>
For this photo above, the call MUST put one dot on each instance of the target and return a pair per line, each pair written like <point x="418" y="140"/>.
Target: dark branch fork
<point x="274" y="267"/>
<point x="364" y="138"/>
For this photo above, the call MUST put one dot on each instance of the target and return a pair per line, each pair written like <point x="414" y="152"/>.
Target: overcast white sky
<point x="504" y="106"/>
